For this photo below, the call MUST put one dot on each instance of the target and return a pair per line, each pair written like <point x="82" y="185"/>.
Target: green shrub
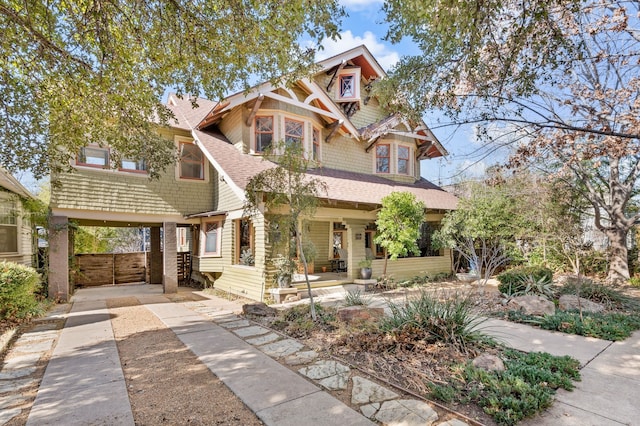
<point x="355" y="298"/>
<point x="449" y="321"/>
<point x="18" y="287"/>
<point x="599" y="293"/>
<point x="634" y="281"/>
<point x="608" y="326"/>
<point x="514" y="280"/>
<point x="524" y="388"/>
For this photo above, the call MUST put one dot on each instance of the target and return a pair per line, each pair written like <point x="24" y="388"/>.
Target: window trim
<point x="256" y="132"/>
<point x="388" y="157"/>
<point x="139" y="171"/>
<point x="106" y="150"/>
<point x="302" y="134"/>
<point x="181" y="160"/>
<point x="203" y="240"/>
<point x="183" y="139"/>
<point x="315" y="142"/>
<point x="356" y="73"/>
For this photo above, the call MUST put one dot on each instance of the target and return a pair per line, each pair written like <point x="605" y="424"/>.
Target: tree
<point x="289" y="191"/>
<point x="563" y="73"/>
<point x="484" y="228"/>
<point x="76" y="72"/>
<point x="398" y="226"/>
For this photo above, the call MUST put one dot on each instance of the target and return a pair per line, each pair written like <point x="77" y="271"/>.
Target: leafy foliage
<point x="525" y="388"/>
<point x="558" y="80"/>
<point x="450" y="321"/>
<point x="609" y="326"/>
<point x="18" y="287"/>
<point x="599" y="293"/>
<point x="78" y="72"/>
<point x="356" y="298"/>
<point x="515" y="280"/>
<point x="398" y="225"/>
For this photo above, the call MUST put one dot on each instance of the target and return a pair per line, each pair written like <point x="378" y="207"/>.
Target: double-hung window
<point x="383" y="158"/>
<point x="264" y="133"/>
<point x="136" y="166"/>
<point x="403" y="160"/>
<point x="191" y="162"/>
<point x="8" y="227"/>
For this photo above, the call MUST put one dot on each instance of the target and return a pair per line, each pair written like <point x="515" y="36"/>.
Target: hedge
<point x="18" y="287"/>
<point x="514" y="280"/>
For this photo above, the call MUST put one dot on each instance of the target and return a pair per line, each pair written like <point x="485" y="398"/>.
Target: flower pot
<point x="365" y="273"/>
<point x="324" y="269"/>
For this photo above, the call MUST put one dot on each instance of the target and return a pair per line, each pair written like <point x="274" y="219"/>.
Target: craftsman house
<point x="359" y="151"/>
<point x="17" y="243"/>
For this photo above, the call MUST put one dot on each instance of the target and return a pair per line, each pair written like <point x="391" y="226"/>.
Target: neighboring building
<point x="17" y="242"/>
<point x="361" y="153"/>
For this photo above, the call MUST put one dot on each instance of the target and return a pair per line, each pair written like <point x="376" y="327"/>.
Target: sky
<point x="365" y="25"/>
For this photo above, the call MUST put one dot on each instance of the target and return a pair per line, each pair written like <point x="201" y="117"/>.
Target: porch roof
<point x="207" y="214"/>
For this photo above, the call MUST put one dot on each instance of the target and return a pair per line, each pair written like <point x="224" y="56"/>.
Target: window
<point x="316" y="145"/>
<point x="244" y="242"/>
<point x="293" y="132"/>
<point x="264" y="133"/>
<point x="212" y="237"/>
<point x="137" y="166"/>
<point x="382" y="159"/>
<point x="403" y="160"/>
<point x="8" y="227"/>
<point x="191" y="162"/>
<point x="93" y="156"/>
<point x="424" y="242"/>
<point x="347" y="86"/>
<point x="371" y="248"/>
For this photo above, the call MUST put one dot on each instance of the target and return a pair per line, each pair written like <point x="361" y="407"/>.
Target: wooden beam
<point x="256" y="107"/>
<point x="333" y="127"/>
<point x="335" y="74"/>
<point x="368" y="148"/>
<point x="301" y="105"/>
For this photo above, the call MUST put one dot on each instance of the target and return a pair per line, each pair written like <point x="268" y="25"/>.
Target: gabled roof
<point x="10" y="183"/>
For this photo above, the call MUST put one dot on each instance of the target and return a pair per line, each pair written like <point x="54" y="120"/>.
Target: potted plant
<point x="365" y="269"/>
<point x="310" y="253"/>
<point x="285" y="268"/>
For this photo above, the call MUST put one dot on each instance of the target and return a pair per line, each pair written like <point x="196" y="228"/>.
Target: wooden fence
<point x="110" y="268"/>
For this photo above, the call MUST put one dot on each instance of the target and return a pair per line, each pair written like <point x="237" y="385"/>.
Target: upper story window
<point x="138" y="166"/>
<point x="348" y="84"/>
<point x="93" y="156"/>
<point x="8" y="227"/>
<point x="315" y="144"/>
<point x="403" y="160"/>
<point x="383" y="158"/>
<point x="191" y="161"/>
<point x="264" y="133"/>
<point x="293" y="131"/>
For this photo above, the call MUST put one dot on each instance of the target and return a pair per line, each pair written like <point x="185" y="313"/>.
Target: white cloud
<point x="358" y="5"/>
<point x="384" y="55"/>
<point x="472" y="169"/>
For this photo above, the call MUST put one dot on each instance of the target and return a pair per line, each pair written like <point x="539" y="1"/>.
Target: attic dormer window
<point x="348" y="85"/>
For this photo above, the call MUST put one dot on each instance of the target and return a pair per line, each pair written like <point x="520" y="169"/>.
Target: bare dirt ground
<point x="167" y="383"/>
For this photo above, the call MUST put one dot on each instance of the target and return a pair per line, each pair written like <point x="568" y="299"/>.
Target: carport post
<point x="59" y="258"/>
<point x="170" y="258"/>
<point x="155" y="257"/>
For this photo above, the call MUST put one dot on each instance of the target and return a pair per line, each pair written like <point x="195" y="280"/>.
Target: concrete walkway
<point x="84" y="384"/>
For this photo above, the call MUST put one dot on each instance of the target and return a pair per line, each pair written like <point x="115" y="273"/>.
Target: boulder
<point x="359" y="313"/>
<point x="258" y="309"/>
<point x="488" y="362"/>
<point x="532" y="305"/>
<point x="571" y="301"/>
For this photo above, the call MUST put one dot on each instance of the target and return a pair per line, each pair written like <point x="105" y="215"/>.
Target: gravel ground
<point x="167" y="383"/>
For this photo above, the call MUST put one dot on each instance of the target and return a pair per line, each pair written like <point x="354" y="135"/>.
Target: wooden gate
<point x="109" y="268"/>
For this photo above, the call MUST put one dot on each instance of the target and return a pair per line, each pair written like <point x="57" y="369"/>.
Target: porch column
<point x="155" y="257"/>
<point x="170" y="258"/>
<point x="59" y="258"/>
<point x="355" y="244"/>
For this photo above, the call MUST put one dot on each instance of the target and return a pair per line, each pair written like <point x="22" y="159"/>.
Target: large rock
<point x="359" y="313"/>
<point x="488" y="362"/>
<point x="258" y="309"/>
<point x="571" y="301"/>
<point x="532" y="305"/>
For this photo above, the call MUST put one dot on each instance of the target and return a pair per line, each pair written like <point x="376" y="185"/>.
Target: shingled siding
<point x="406" y="268"/>
<point x="100" y="190"/>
